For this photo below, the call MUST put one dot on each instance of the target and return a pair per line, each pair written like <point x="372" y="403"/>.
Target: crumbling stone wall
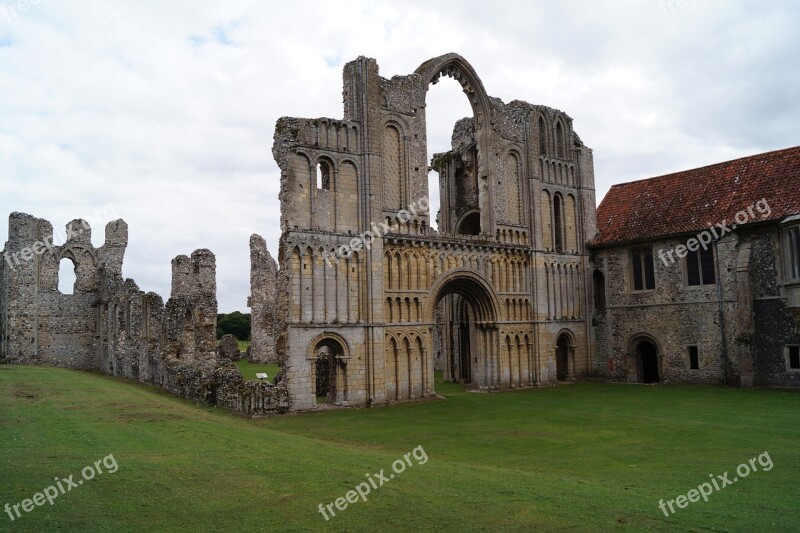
<point x="41" y="325"/>
<point x="110" y="325"/>
<point x="265" y="312"/>
<point x="229" y="348"/>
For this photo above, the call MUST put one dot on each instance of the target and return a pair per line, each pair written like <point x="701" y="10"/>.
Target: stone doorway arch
<point x="470" y="335"/>
<point x="328" y="356"/>
<point x="647" y="356"/>
<point x="565" y="356"/>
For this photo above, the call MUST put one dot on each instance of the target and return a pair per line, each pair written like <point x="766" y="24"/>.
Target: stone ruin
<point x="366" y="300"/>
<point x="375" y="301"/>
<point x="109" y="325"/>
<point x="264" y="316"/>
<point x="229" y="348"/>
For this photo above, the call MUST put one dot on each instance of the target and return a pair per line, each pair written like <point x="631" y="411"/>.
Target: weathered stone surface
<point x="109" y="325"/>
<point x="366" y="301"/>
<point x="370" y="295"/>
<point x="674" y="316"/>
<point x="264" y="307"/>
<point x="229" y="348"/>
<point x="731" y="318"/>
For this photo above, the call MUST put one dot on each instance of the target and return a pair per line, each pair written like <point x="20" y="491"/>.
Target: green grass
<point x="249" y="370"/>
<point x="243" y="345"/>
<point x="583" y="457"/>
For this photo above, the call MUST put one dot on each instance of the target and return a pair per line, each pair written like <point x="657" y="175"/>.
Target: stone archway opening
<point x="464" y="332"/>
<point x="444" y="107"/>
<point x="647" y="362"/>
<point x="67" y="275"/>
<point x="330" y="376"/>
<point x="460" y="185"/>
<point x="470" y="224"/>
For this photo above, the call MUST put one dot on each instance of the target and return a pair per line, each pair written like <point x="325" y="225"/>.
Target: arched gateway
<point x="468" y="311"/>
<point x="478" y="301"/>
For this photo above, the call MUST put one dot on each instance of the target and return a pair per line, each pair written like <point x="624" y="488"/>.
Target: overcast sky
<point x="162" y="113"/>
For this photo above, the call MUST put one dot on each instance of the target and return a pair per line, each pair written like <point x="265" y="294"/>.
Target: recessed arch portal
<point x="565" y="355"/>
<point x="470" y="223"/>
<point x="473" y="287"/>
<point x="328" y="356"/>
<point x="646" y="354"/>
<point x="464" y="308"/>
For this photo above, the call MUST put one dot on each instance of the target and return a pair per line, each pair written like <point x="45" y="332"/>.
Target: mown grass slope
<point x="583" y="457"/>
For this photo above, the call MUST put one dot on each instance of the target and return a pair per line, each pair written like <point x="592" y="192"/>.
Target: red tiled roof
<point x="692" y="200"/>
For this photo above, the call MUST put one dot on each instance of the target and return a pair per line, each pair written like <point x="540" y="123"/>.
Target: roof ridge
<point x="690" y="200"/>
<point x="711" y="165"/>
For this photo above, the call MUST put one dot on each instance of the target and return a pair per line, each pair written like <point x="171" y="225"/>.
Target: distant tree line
<point x="236" y="323"/>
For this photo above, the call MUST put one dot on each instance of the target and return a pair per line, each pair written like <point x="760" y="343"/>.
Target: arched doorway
<point x="464" y="308"/>
<point x="455" y="326"/>
<point x="329" y="366"/>
<point x="647" y="362"/>
<point x="563" y="348"/>
<point x="325" y="379"/>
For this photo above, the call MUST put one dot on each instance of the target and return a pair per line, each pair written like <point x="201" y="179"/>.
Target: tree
<point x="236" y="323"/>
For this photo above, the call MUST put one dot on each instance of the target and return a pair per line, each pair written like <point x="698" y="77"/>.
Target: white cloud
<point x="166" y="110"/>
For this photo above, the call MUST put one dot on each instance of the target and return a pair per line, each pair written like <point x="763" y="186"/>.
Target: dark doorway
<point x="323" y="374"/>
<point x="648" y="360"/>
<point x="330" y="372"/>
<point x="465" y="369"/>
<point x="471" y="225"/>
<point x="456" y="328"/>
<point x="562" y="358"/>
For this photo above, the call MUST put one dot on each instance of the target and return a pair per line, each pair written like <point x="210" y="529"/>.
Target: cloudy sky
<point x="162" y="113"/>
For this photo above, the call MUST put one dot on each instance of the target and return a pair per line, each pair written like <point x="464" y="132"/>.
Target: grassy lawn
<point x="249" y="370"/>
<point x="584" y="457"/>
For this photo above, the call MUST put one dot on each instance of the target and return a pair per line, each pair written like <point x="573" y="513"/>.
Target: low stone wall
<point x="225" y="387"/>
<point x="255" y="397"/>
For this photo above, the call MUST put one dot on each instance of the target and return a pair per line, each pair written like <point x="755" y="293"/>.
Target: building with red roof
<point x="697" y="275"/>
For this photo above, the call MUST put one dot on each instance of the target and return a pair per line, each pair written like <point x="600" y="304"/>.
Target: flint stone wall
<point x="110" y="325"/>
